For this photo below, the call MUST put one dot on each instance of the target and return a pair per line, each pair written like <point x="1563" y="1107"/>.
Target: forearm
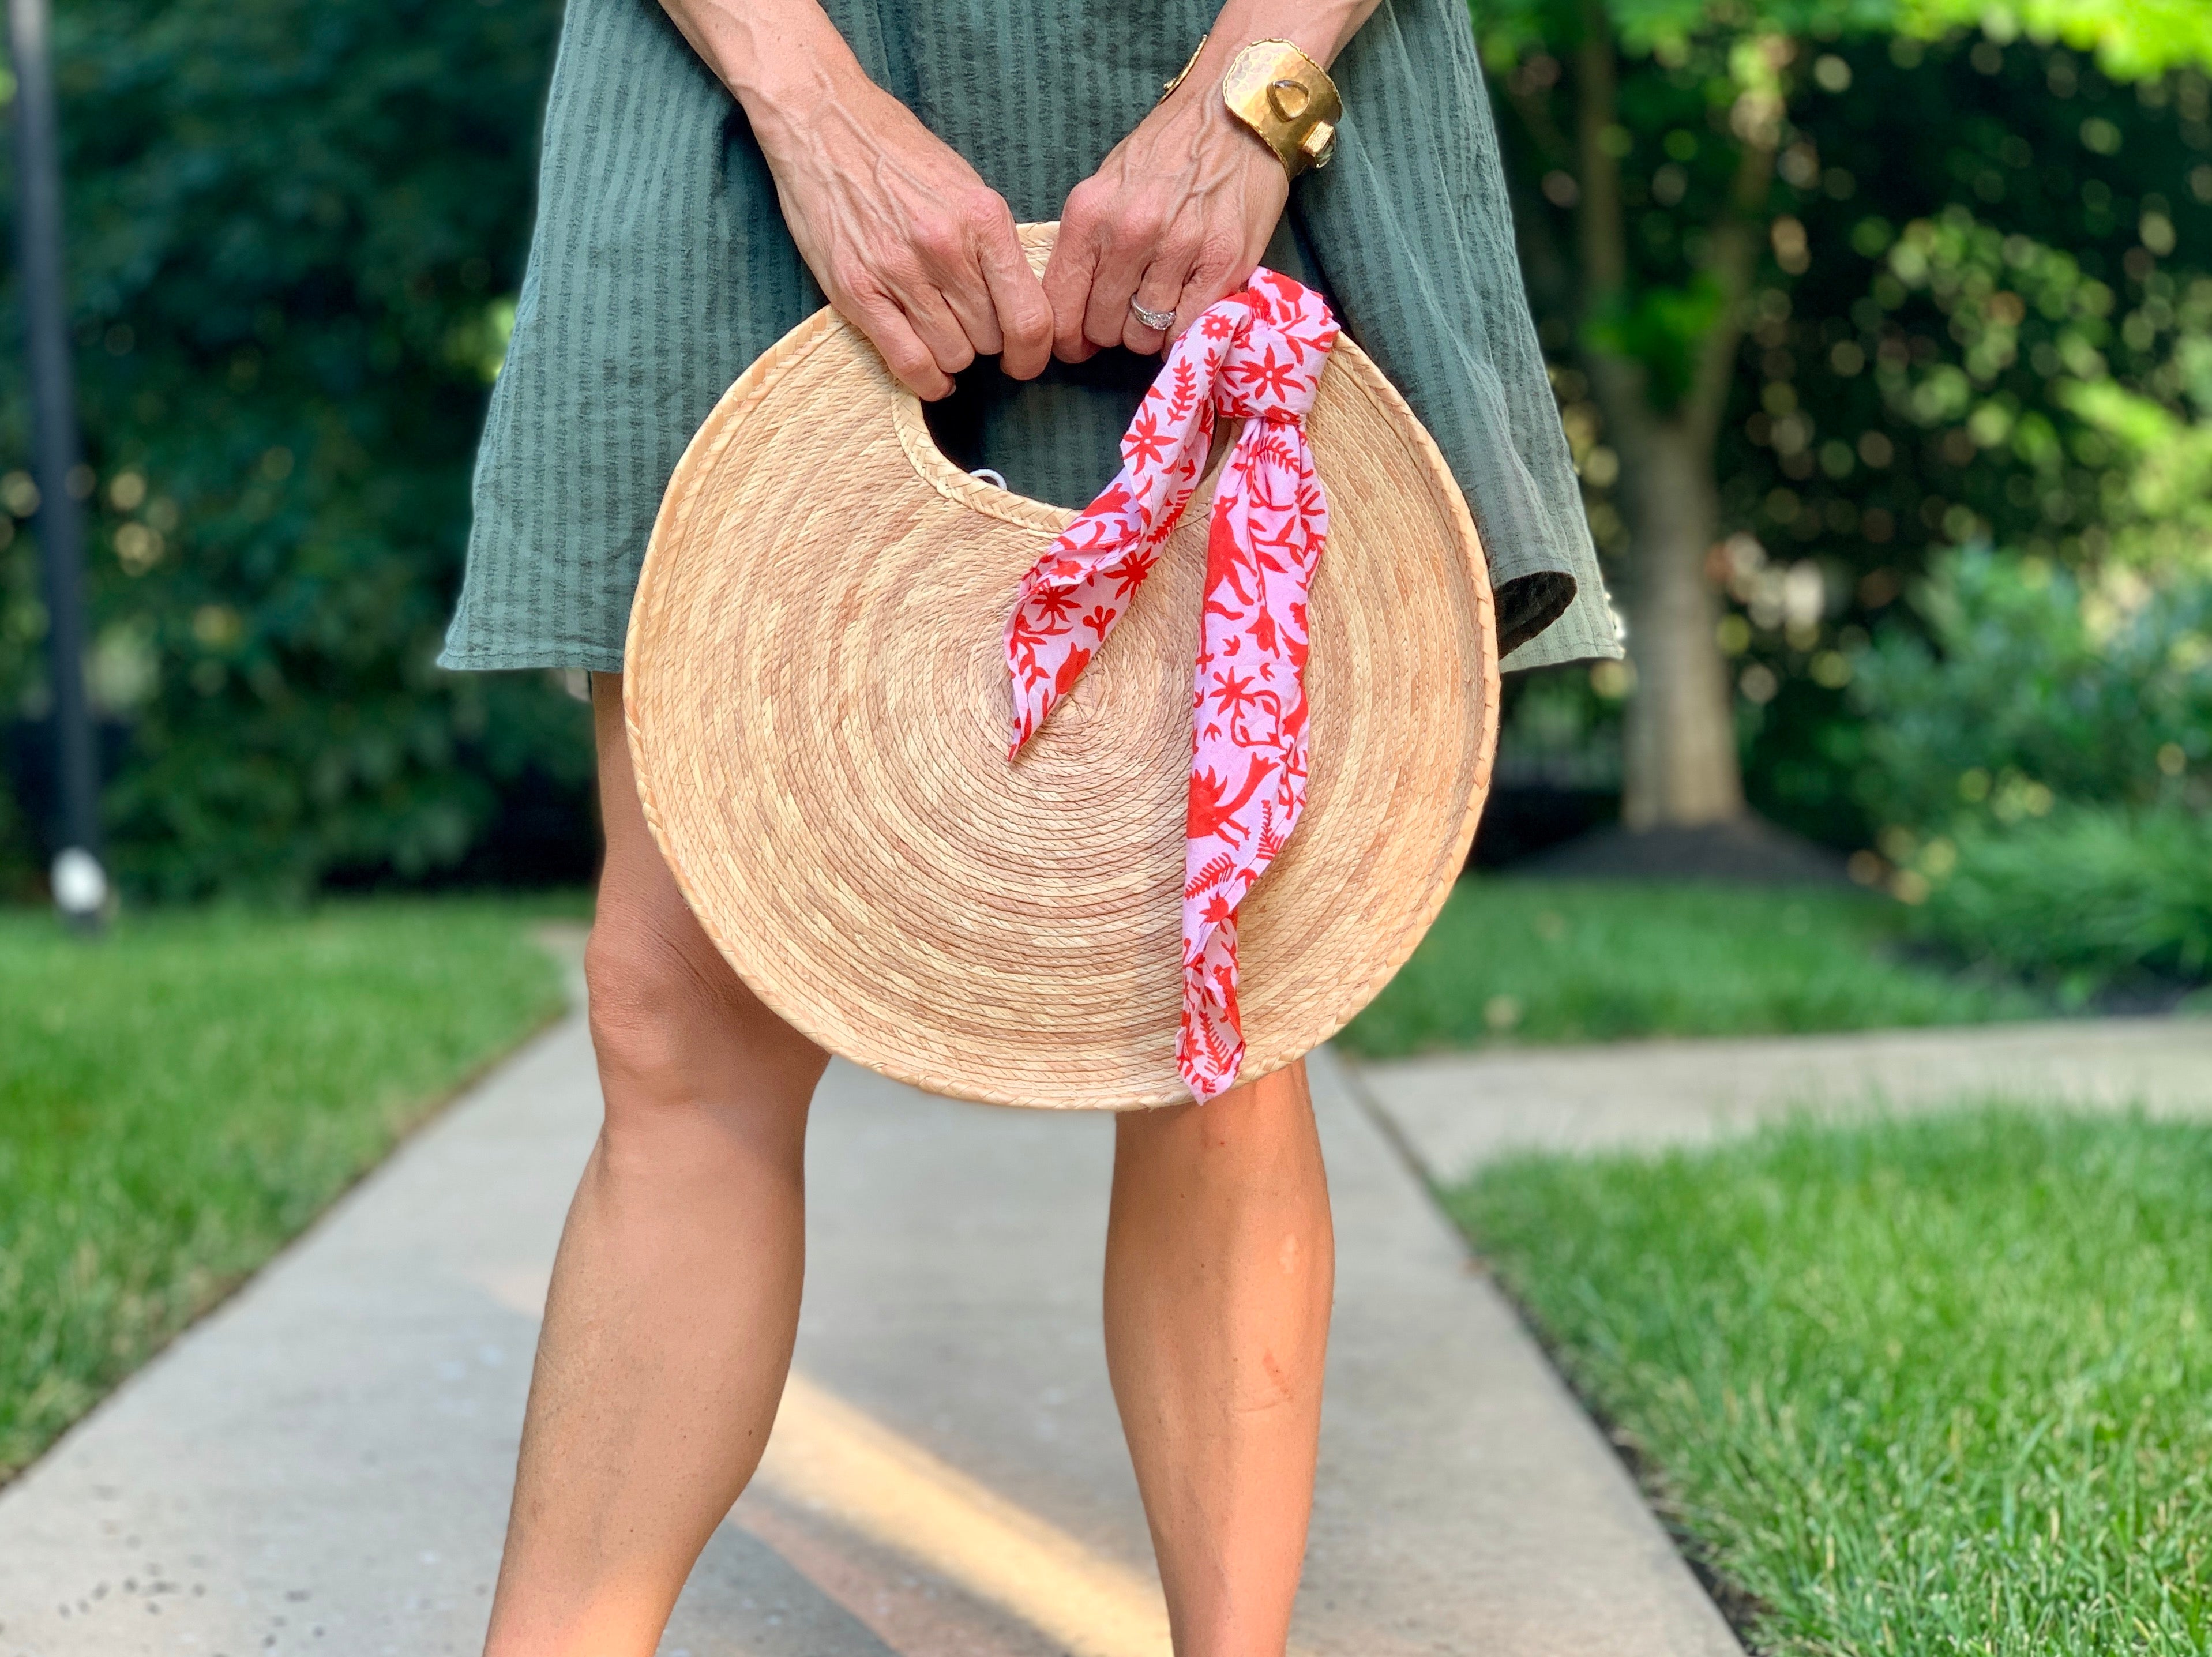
<point x="1319" y="28"/>
<point x="778" y="58"/>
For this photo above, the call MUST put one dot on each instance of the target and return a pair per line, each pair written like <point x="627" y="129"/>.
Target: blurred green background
<point x="296" y="235"/>
<point x="1883" y="332"/>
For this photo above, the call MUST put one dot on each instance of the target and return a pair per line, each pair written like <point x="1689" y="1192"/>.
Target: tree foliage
<point x="1973" y="250"/>
<point x="294" y="229"/>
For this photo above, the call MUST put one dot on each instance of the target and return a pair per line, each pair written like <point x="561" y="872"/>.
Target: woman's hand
<point x="1175" y="217"/>
<point x="1181" y="210"/>
<point x="910" y="245"/>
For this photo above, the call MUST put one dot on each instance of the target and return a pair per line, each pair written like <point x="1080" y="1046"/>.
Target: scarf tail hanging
<point x="1256" y="355"/>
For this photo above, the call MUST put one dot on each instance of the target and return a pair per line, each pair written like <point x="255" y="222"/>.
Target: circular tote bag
<point x="816" y="697"/>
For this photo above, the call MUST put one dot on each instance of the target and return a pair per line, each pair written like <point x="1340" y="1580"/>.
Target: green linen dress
<point x="661" y="267"/>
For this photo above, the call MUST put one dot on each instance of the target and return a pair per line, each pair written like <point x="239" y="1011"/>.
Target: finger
<point x="911" y="362"/>
<point x="1017" y="298"/>
<point x="1213" y="276"/>
<point x="1106" y="316"/>
<point x="934" y="319"/>
<point x="974" y="311"/>
<point x="1141" y="337"/>
<point x="1068" y="279"/>
<point x="951" y="248"/>
<point x="1160" y="291"/>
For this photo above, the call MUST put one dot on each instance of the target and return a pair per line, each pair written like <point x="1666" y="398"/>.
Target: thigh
<point x="666" y="1009"/>
<point x="635" y="877"/>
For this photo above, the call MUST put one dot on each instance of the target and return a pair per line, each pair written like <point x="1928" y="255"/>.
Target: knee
<point x="673" y="1026"/>
<point x="648" y="1000"/>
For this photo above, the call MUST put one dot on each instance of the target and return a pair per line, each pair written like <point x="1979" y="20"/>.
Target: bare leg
<point x="675" y="1295"/>
<point x="1220" y="1266"/>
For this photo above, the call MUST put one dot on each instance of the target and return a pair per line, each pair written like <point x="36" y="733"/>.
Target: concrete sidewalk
<point x="1455" y="1110"/>
<point x="324" y="1464"/>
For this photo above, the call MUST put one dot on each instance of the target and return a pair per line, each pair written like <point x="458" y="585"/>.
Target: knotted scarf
<point x="1256" y="355"/>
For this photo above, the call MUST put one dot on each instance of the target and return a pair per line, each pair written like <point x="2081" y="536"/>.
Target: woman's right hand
<point x="909" y="243"/>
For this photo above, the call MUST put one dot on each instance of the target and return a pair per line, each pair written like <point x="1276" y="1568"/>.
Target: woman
<point x="714" y="169"/>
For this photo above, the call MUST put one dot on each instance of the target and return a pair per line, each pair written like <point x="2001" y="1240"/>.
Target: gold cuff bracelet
<point x="1287" y="101"/>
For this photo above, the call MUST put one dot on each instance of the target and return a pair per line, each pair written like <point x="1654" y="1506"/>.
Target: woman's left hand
<point x="1176" y="218"/>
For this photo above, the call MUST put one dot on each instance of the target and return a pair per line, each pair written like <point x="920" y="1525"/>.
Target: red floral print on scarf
<point x="1257" y="356"/>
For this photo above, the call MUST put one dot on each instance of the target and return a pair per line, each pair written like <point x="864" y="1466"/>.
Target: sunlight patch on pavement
<point x="828" y="1457"/>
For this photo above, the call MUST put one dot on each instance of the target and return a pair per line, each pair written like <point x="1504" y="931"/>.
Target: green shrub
<point x="2085" y="896"/>
<point x="2031" y="686"/>
<point x="2038" y="758"/>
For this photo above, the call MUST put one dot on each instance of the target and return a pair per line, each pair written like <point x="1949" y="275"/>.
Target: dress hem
<point x="555" y="657"/>
<point x="1562" y="642"/>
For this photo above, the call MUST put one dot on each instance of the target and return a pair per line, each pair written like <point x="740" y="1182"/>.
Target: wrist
<point x="785" y="67"/>
<point x="1319" y="28"/>
<point x="1272" y="102"/>
<point x="1237" y="144"/>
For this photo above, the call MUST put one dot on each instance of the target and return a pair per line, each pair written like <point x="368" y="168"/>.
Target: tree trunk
<point x="1680" y="763"/>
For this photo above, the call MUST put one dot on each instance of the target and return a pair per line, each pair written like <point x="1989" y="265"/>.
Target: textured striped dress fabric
<point x="661" y="267"/>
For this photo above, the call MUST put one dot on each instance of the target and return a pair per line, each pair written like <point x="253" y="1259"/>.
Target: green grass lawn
<point x="1567" y="960"/>
<point x="178" y="1099"/>
<point x="1938" y="1385"/>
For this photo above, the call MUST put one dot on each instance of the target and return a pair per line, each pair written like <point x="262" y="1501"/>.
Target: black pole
<point x="79" y="886"/>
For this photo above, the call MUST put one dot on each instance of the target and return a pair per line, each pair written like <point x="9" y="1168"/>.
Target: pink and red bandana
<point x="1256" y="355"/>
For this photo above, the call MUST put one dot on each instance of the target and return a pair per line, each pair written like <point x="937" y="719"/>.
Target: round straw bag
<point x="816" y="697"/>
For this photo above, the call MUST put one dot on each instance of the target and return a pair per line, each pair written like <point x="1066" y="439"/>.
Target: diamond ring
<point x="1160" y="320"/>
